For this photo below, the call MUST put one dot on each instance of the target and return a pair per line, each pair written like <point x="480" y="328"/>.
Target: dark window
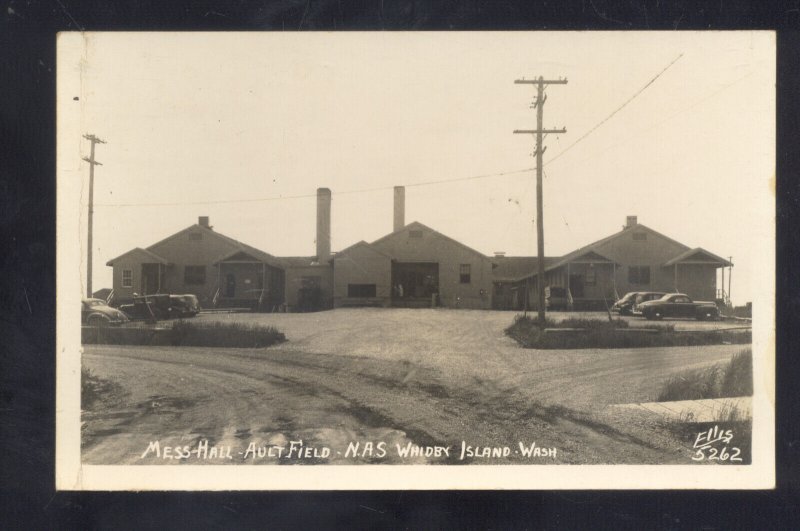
<point x="640" y="236"/>
<point x="465" y="273"/>
<point x="195" y="235"/>
<point x="127" y="278"/>
<point x="591" y="277"/>
<point x="311" y="282"/>
<point x="639" y="275"/>
<point x="194" y="275"/>
<point x="415" y="233"/>
<point x="361" y="290"/>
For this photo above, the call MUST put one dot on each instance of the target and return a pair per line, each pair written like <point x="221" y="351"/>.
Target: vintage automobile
<point x="95" y="312"/>
<point x="161" y="306"/>
<point x="184" y="305"/>
<point x="644" y="296"/>
<point x="555" y="298"/>
<point x="625" y="304"/>
<point x="679" y="305"/>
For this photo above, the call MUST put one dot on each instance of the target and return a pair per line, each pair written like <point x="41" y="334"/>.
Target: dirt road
<point x="424" y="377"/>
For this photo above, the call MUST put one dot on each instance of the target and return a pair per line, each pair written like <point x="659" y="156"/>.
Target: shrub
<point x="599" y="333"/>
<point x="185" y="333"/>
<point x="731" y="379"/>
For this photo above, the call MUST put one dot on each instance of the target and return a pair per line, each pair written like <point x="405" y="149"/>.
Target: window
<point x="361" y="290"/>
<point x="127" y="278"/>
<point x="465" y="273"/>
<point x="195" y="236"/>
<point x="194" y="275"/>
<point x="310" y="282"/>
<point x="640" y="236"/>
<point x="591" y="277"/>
<point x="415" y="233"/>
<point x="639" y="275"/>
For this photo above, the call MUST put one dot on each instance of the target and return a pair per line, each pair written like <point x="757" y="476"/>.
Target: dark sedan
<point x="679" y="305"/>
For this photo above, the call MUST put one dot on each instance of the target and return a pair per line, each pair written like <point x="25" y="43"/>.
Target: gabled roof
<point x="149" y="254"/>
<point x="418" y="225"/>
<point x="256" y="253"/>
<point x="592" y="247"/>
<point x="299" y="261"/>
<point x="362" y="243"/>
<point x="684" y="257"/>
<point x="511" y="268"/>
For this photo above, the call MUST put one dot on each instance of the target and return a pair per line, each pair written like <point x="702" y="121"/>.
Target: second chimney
<point x="399" y="207"/>
<point x="203" y="222"/>
<point x="630" y="221"/>
<point x="323" y="224"/>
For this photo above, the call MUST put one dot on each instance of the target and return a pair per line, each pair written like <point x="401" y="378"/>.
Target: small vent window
<point x="195" y="236"/>
<point x="640" y="236"/>
<point x="416" y="233"/>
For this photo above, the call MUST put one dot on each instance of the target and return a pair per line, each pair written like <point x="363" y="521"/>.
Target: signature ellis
<point x="712" y="445"/>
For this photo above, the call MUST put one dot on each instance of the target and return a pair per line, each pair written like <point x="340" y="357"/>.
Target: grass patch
<point x="723" y="380"/>
<point x="186" y="334"/>
<point x="599" y="333"/>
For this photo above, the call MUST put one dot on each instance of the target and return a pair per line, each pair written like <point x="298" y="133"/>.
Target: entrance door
<point x="230" y="285"/>
<point x="150" y="280"/>
<point x="576" y="286"/>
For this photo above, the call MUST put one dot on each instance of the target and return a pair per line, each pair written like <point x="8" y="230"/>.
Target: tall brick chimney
<point x="323" y="224"/>
<point x="399" y="207"/>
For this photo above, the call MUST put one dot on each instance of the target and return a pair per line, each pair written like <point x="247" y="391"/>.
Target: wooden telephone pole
<point x="538" y="104"/>
<point x="92" y="163"/>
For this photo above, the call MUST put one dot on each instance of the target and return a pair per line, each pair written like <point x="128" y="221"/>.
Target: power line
<point x="607" y="118"/>
<point x="302" y="196"/>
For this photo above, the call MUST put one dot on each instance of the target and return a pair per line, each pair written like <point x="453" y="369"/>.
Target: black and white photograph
<point x="415" y="260"/>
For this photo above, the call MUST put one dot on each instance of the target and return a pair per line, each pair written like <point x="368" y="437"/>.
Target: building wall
<point x="294" y="281"/>
<point x="449" y="255"/>
<point x="698" y="281"/>
<point x="361" y="265"/>
<point x="653" y="252"/>
<point x="134" y="264"/>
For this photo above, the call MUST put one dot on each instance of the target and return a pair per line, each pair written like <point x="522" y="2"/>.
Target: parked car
<point x="161" y="306"/>
<point x="95" y="312"/>
<point x="644" y="296"/>
<point x="624" y="306"/>
<point x="555" y="298"/>
<point x="679" y="305"/>
<point x="184" y="305"/>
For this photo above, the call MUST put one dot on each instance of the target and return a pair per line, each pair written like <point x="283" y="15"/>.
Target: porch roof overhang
<point x="588" y="257"/>
<point x="145" y="255"/>
<point x="240" y="256"/>
<point x="700" y="256"/>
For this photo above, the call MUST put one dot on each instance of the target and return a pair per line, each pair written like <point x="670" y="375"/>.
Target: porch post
<point x="614" y="279"/>
<point x="676" y="277"/>
<point x="159" y="278"/>
<point x="263" y="280"/>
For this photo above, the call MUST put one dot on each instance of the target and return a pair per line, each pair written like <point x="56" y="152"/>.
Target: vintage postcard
<point x="489" y="260"/>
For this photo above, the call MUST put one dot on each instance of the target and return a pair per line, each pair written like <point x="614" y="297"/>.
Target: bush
<point x="731" y="379"/>
<point x="184" y="333"/>
<point x="599" y="333"/>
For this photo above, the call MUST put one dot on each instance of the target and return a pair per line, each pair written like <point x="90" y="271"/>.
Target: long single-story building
<point x="412" y="266"/>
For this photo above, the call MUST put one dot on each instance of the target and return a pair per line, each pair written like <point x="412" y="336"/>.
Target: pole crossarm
<point x="524" y="81"/>
<point x="537" y="131"/>
<point x="94" y="162"/>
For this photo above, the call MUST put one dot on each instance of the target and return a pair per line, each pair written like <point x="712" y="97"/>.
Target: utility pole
<point x="538" y="104"/>
<point x="92" y="163"/>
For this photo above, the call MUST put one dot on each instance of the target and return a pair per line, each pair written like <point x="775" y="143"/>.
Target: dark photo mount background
<point x="27" y="222"/>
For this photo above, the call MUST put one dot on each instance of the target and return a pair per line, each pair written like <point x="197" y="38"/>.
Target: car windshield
<point x="628" y="296"/>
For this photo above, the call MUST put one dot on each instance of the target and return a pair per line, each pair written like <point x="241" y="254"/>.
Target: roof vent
<point x="499" y="254"/>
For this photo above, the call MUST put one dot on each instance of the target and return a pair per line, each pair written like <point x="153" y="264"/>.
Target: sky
<point x="245" y="127"/>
